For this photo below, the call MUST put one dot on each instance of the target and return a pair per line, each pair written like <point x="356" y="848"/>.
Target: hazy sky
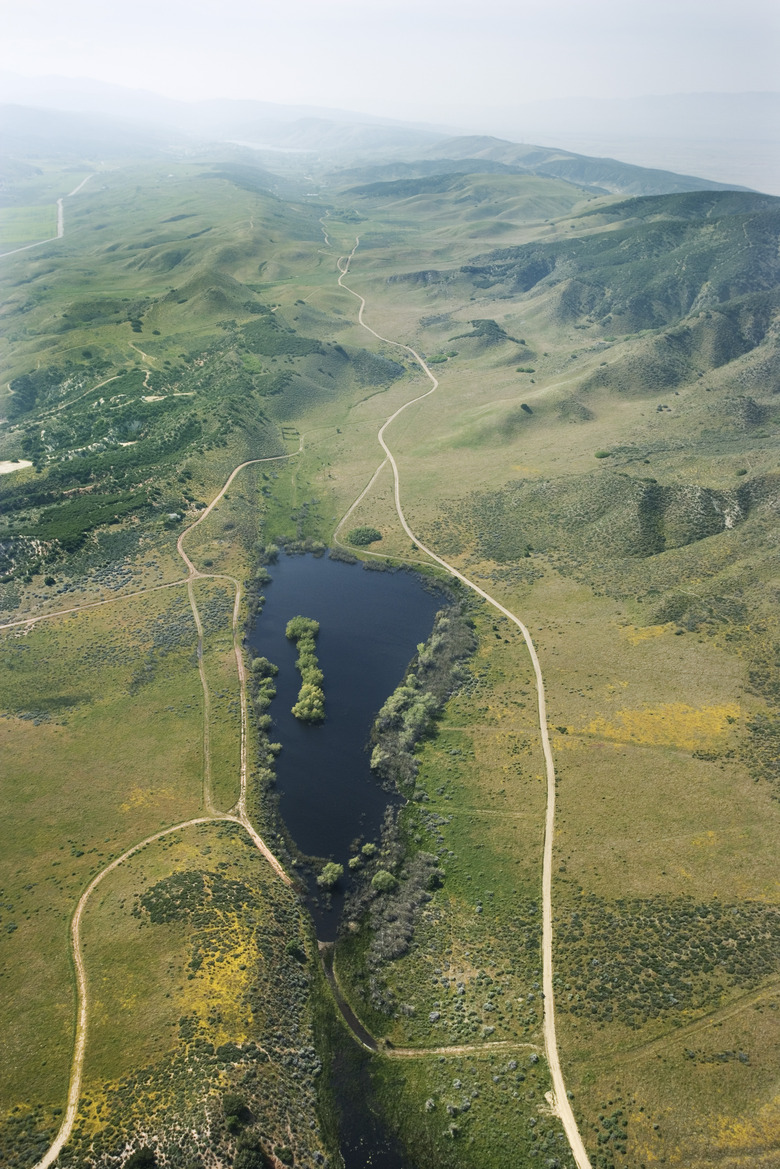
<point x="407" y="58"/>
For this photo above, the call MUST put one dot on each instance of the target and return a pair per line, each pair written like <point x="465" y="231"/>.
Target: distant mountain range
<point x="602" y="174"/>
<point x="60" y="117"/>
<point x="728" y="137"/>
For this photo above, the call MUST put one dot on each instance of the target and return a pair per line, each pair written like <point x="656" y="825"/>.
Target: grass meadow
<point x="24" y="225"/>
<point x="658" y="805"/>
<point x="101" y="747"/>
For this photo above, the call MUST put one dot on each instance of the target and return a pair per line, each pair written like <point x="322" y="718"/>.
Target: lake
<point x="370" y="625"/>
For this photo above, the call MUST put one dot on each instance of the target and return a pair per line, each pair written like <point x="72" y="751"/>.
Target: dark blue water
<point x="370" y="626"/>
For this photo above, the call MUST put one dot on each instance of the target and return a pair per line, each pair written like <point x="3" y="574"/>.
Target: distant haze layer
<point x="402" y="58"/>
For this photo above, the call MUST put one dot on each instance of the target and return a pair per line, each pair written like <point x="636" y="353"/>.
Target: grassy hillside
<point x="602" y="456"/>
<point x="599" y="174"/>
<point x="165" y="351"/>
<point x="163" y="341"/>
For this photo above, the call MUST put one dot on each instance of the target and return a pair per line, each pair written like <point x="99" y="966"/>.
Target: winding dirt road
<point x="237" y="816"/>
<point x="240" y="810"/>
<point x="79" y="1047"/>
<point x="561" y="1103"/>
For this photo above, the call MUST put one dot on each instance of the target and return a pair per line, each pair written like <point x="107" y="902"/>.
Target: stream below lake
<point x="371" y="623"/>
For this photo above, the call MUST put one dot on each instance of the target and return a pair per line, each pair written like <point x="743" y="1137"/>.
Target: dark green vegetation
<point x="310" y="707"/>
<point x="364" y="535"/>
<point x="222" y="1077"/>
<point x="409" y="713"/>
<point x="477" y="1109"/>
<point x="223" y="1056"/>
<point x="673" y="956"/>
<point x="331" y="875"/>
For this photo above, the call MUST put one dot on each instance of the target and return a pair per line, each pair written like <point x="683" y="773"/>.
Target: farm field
<point x="600" y="456"/>
<point x="24" y="225"/>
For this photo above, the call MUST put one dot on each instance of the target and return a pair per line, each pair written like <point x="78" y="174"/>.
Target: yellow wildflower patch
<point x="750" y="1141"/>
<point x="639" y="633"/>
<point x="709" y="838"/>
<point x="217" y="994"/>
<point x="563" y="740"/>
<point x="673" y="724"/>
<point x="136" y="799"/>
<point x="140" y="797"/>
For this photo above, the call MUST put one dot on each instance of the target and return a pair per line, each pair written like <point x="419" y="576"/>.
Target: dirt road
<point x="212" y="816"/>
<point x="561" y="1103"/>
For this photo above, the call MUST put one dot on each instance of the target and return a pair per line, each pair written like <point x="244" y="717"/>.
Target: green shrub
<point x="142" y="1158"/>
<point x="250" y="1154"/>
<point x="383" y="881"/>
<point x="236" y="1110"/>
<point x="330" y="875"/>
<point x="262" y="668"/>
<point x="364" y="535"/>
<point x="310" y="706"/>
<point x="294" y="949"/>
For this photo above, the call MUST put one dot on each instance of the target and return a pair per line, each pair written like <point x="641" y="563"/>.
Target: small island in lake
<point x="310" y="707"/>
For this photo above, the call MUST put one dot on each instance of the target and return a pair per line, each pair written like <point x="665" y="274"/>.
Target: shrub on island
<point x="330" y="875"/>
<point x="383" y="881"/>
<point x="310" y="707"/>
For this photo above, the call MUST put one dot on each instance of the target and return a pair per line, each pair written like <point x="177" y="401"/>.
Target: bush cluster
<point x="331" y="874"/>
<point x="310" y="707"/>
<point x="408" y="714"/>
<point x="394" y="884"/>
<point x="211" y="1096"/>
<point x="364" y="535"/>
<point x="633" y="960"/>
<point x="194" y="896"/>
<point x="393" y="916"/>
<point x="262" y="684"/>
<point x="611" y="1138"/>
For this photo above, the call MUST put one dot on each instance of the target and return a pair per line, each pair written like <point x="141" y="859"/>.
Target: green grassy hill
<point x="161" y="306"/>
<point x="599" y="174"/>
